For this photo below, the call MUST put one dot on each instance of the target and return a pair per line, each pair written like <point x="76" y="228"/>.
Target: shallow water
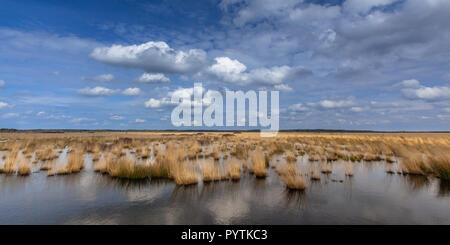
<point x="371" y="196"/>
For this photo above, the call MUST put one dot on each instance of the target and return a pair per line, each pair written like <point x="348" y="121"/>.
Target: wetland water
<point x="371" y="196"/>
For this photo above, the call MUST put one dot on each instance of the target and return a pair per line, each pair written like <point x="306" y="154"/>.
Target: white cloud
<point x="412" y="83"/>
<point x="3" y="105"/>
<point x="233" y="71"/>
<point x="283" y="87"/>
<point x="428" y="93"/>
<point x="330" y="104"/>
<point x="97" y="91"/>
<point x="131" y="91"/>
<point x="138" y="120"/>
<point x="179" y="93"/>
<point x="298" y="107"/>
<point x="41" y="113"/>
<point x="116" y="117"/>
<point x="153" y="103"/>
<point x="153" y="78"/>
<point x="10" y="115"/>
<point x="2" y="83"/>
<point x="413" y="90"/>
<point x="102" y="78"/>
<point x="155" y="57"/>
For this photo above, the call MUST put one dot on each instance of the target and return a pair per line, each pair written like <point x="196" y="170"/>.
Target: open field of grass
<point x="190" y="157"/>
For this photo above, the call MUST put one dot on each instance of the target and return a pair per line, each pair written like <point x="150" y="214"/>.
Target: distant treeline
<point x="12" y="130"/>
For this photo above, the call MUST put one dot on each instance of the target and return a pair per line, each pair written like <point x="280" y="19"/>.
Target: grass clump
<point x="258" y="166"/>
<point x="292" y="177"/>
<point x="127" y="168"/>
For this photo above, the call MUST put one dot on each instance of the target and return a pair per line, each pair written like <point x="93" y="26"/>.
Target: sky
<point x="338" y="64"/>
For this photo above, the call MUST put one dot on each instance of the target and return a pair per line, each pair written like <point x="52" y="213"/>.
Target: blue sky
<point x="353" y="64"/>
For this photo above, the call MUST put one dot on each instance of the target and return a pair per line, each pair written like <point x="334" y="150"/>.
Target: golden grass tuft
<point x="184" y="173"/>
<point x="75" y="162"/>
<point x="234" y="169"/>
<point x="127" y="168"/>
<point x="290" y="157"/>
<point x="10" y="165"/>
<point x="258" y="166"/>
<point x="210" y="170"/>
<point x="291" y="177"/>
<point x="24" y="167"/>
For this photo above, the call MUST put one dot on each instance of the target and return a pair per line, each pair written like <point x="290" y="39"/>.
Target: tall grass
<point x="258" y="166"/>
<point x="291" y="177"/>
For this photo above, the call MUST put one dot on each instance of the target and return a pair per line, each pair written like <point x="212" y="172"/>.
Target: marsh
<point x="221" y="178"/>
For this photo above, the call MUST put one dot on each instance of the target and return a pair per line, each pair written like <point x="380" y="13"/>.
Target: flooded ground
<point x="371" y="196"/>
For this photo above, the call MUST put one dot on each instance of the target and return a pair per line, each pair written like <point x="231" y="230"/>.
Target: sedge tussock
<point x="258" y="163"/>
<point x="24" y="167"/>
<point x="184" y="173"/>
<point x="234" y="169"/>
<point x="290" y="157"/>
<point x="292" y="177"/>
<point x="127" y="168"/>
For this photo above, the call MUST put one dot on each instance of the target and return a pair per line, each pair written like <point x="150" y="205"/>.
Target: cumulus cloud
<point x="283" y="87"/>
<point x="153" y="103"/>
<point x="155" y="57"/>
<point x="331" y="104"/>
<point x="97" y="91"/>
<point x="101" y="78"/>
<point x="412" y="83"/>
<point x="3" y="105"/>
<point x="232" y="71"/>
<point x="131" y="91"/>
<point x="414" y="90"/>
<point x="179" y="93"/>
<point x="2" y="83"/>
<point x="298" y="107"/>
<point x="138" y="120"/>
<point x="153" y="78"/>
